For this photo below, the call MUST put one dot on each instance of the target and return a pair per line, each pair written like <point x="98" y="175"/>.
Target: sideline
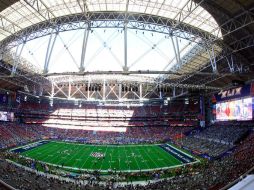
<point x="85" y="182"/>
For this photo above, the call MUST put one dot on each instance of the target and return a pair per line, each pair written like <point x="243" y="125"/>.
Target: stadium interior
<point x="127" y="94"/>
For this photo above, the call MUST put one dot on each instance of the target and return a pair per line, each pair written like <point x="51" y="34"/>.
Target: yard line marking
<point x="65" y="155"/>
<point x="143" y="158"/>
<point x="104" y="157"/>
<point x="87" y="157"/>
<point x="127" y="158"/>
<point x="136" y="160"/>
<point x="77" y="153"/>
<point x="152" y="160"/>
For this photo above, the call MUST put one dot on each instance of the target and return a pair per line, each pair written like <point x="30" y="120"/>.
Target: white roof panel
<point x="3" y="34"/>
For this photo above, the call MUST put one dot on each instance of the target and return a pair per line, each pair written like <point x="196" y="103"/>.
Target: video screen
<point x="6" y="116"/>
<point x="234" y="110"/>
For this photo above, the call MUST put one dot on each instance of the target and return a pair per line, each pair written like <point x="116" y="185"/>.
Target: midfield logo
<point x="231" y="92"/>
<point x="97" y="154"/>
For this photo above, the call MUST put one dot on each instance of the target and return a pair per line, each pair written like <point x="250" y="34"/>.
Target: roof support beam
<point x="139" y="72"/>
<point x="40" y="7"/>
<point x="230" y="64"/>
<point x="246" y="19"/>
<point x="34" y="79"/>
<point x="84" y="46"/>
<point x="107" y="20"/>
<point x="190" y="6"/>
<point x="175" y="67"/>
<point x="112" y="91"/>
<point x="175" y="51"/>
<point x="88" y="87"/>
<point x="8" y="26"/>
<point x="212" y="59"/>
<point x="17" y="58"/>
<point x="241" y="44"/>
<point x="69" y="52"/>
<point x="140" y="91"/>
<point x="59" y="89"/>
<point x="125" y="68"/>
<point x="85" y="6"/>
<point x="69" y="88"/>
<point x="50" y="48"/>
<point x="11" y="81"/>
<point x="152" y="90"/>
<point x="120" y="91"/>
<point x="236" y="23"/>
<point x="178" y="51"/>
<point x="104" y="90"/>
<point x="209" y="79"/>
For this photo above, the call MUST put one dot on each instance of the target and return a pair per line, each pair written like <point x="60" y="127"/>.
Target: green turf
<point x="121" y="158"/>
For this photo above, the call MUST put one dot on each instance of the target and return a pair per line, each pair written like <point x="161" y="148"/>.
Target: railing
<point x="238" y="179"/>
<point x="7" y="186"/>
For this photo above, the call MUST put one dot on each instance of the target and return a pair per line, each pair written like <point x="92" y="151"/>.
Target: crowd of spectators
<point x="13" y="134"/>
<point x="94" y="115"/>
<point x="209" y="175"/>
<point x="214" y="140"/>
<point x="224" y="135"/>
<point x="203" y="146"/>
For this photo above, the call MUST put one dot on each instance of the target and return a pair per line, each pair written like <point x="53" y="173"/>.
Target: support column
<point x="212" y="60"/>
<point x="120" y="91"/>
<point x="50" y="48"/>
<point x="230" y="64"/>
<point x="52" y="90"/>
<point x="104" y="90"/>
<point x="84" y="46"/>
<point x="202" y="111"/>
<point x="160" y="92"/>
<point x="125" y="48"/>
<point x="51" y="101"/>
<point x="140" y="91"/>
<point x="178" y="51"/>
<point x="40" y="90"/>
<point x="69" y="89"/>
<point x="174" y="47"/>
<point x="88" y="91"/>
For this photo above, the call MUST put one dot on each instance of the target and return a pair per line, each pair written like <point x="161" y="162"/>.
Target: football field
<point x="125" y="158"/>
